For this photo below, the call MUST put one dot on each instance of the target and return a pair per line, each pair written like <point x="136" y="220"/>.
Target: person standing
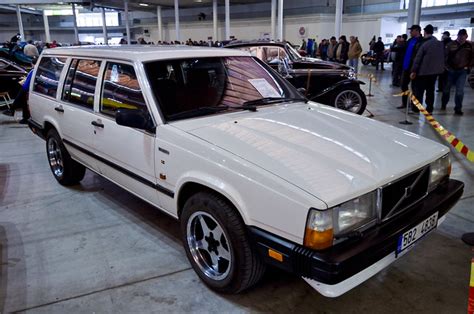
<point x="354" y="53"/>
<point x="427" y="65"/>
<point x="399" y="48"/>
<point x="379" y="49"/>
<point x="323" y="49"/>
<point x="413" y="45"/>
<point x="341" y="50"/>
<point x="303" y="45"/>
<point x="443" y="77"/>
<point x="331" y="49"/>
<point x="309" y="47"/>
<point x="30" y="50"/>
<point x="460" y="60"/>
<point x="21" y="100"/>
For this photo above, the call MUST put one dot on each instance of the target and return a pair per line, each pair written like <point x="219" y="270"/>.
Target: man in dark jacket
<point x="427" y="65"/>
<point x="399" y="47"/>
<point x="412" y="47"/>
<point x="443" y="77"/>
<point x="341" y="50"/>
<point x="459" y="61"/>
<point x="379" y="49"/>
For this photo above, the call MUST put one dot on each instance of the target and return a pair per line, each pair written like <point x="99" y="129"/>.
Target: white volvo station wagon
<point x="254" y="172"/>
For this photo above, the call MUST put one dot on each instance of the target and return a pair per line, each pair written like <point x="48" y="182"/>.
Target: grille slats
<point x="402" y="193"/>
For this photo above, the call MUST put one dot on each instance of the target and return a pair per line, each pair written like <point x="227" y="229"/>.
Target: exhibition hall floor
<point x="97" y="248"/>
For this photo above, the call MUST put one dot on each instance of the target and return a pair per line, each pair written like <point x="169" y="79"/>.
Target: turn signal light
<point x="318" y="240"/>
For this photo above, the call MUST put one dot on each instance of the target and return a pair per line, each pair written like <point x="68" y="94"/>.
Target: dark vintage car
<point x="10" y="76"/>
<point x="326" y="82"/>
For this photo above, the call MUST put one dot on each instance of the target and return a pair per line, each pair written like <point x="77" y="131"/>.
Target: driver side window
<point x="121" y="89"/>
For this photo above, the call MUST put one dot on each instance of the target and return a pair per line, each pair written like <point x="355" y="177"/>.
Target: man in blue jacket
<point x="412" y="47"/>
<point x="21" y="99"/>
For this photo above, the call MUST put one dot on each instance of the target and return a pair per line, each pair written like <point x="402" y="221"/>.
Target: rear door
<point x="126" y="155"/>
<point x="76" y="109"/>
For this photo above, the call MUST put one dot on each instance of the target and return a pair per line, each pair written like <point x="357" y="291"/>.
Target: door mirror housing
<point x="133" y="118"/>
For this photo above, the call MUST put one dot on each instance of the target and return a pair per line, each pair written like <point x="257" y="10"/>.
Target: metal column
<point x="46" y="27"/>
<point x="176" y="19"/>
<point x="227" y="19"/>
<point x="338" y="25"/>
<point x="417" y="12"/>
<point x="76" y="30"/>
<point x="20" y="23"/>
<point x="104" y="28"/>
<point x="214" y="20"/>
<point x="273" y="19"/>
<point x="414" y="12"/>
<point x="160" y="23"/>
<point x="127" y="21"/>
<point x="280" y="20"/>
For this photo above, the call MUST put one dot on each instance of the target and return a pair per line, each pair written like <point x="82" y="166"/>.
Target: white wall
<point x="319" y="27"/>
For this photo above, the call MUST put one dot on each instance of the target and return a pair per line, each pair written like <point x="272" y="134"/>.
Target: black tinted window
<point x="47" y="75"/>
<point x="79" y="87"/>
<point x="121" y="89"/>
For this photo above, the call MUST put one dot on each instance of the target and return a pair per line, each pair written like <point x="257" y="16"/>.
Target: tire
<point x="65" y="170"/>
<point x="364" y="59"/>
<point x="341" y="98"/>
<point x="222" y="255"/>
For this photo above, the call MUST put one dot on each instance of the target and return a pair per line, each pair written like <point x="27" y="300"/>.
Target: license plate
<point x="414" y="234"/>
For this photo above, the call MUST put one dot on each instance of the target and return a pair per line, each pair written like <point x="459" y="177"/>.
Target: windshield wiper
<point x="269" y="100"/>
<point x="208" y="109"/>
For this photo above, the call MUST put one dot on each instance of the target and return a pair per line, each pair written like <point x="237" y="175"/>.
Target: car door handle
<point x="59" y="109"/>
<point x="97" y="124"/>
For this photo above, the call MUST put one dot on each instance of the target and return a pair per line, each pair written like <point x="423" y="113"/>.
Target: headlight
<point x="355" y="213"/>
<point x="351" y="74"/>
<point x="440" y="169"/>
<point x="323" y="226"/>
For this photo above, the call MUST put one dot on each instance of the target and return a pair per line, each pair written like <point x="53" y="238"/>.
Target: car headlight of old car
<point x="323" y="226"/>
<point x="440" y="169"/>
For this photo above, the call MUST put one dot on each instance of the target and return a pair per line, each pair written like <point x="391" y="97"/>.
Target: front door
<point x="126" y="155"/>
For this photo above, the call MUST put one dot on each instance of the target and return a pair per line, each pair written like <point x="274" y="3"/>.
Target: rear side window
<point x="79" y="87"/>
<point x="47" y="75"/>
<point x="121" y="89"/>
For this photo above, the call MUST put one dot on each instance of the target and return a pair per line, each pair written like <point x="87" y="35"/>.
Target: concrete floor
<point x="97" y="248"/>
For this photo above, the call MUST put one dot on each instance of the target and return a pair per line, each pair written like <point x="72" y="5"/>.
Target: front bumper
<point x="338" y="269"/>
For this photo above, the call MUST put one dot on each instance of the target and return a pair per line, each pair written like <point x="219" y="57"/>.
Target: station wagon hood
<point x="332" y="154"/>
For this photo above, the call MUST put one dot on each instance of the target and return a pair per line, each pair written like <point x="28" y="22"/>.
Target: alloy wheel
<point x="209" y="245"/>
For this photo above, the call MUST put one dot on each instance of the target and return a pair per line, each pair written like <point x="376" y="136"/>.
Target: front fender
<point x="217" y="184"/>
<point x="337" y="85"/>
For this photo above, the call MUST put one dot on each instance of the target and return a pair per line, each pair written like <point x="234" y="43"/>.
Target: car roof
<point x="143" y="53"/>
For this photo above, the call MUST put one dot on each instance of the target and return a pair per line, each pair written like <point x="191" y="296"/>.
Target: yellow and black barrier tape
<point x="448" y="136"/>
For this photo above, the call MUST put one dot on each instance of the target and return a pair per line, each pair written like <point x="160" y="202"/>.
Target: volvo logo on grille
<point x="407" y="192"/>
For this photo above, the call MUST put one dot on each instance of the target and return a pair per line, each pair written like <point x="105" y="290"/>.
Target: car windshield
<point x="186" y="88"/>
<point x="294" y="55"/>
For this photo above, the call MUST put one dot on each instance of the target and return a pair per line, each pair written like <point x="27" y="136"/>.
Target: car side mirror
<point x="134" y="118"/>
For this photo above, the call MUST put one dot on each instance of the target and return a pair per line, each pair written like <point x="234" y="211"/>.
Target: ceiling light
<point x="143" y="4"/>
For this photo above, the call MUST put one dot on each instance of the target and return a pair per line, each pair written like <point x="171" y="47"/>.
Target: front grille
<point x="402" y="193"/>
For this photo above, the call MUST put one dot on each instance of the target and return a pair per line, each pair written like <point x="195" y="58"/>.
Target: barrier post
<point x="406" y="122"/>
<point x="370" y="86"/>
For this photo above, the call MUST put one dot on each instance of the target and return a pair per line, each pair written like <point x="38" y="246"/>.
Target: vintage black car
<point x="326" y="82"/>
<point x="10" y="76"/>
